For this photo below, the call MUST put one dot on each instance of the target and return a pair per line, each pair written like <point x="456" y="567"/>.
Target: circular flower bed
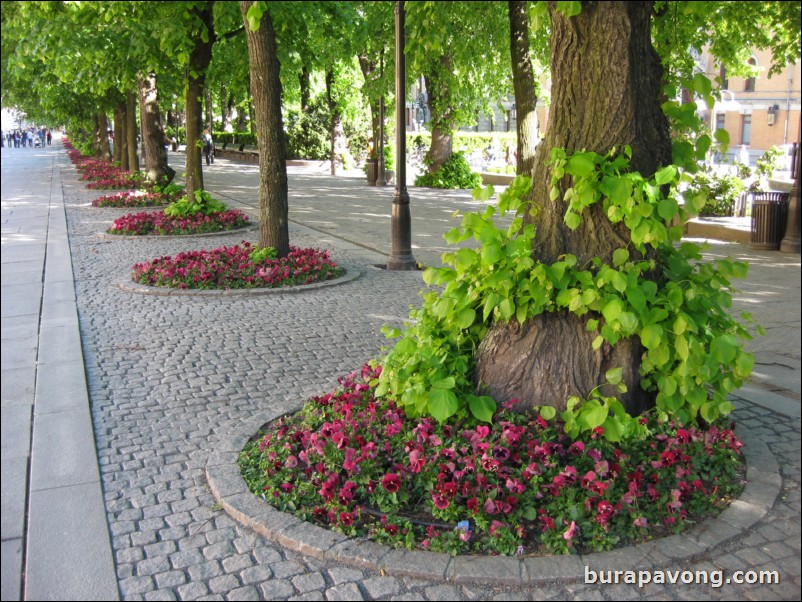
<point x="136" y="198"/>
<point x="520" y="485"/>
<point x="244" y="266"/>
<point x="157" y="223"/>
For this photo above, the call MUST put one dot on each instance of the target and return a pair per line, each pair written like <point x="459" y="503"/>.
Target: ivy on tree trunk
<point x="606" y="80"/>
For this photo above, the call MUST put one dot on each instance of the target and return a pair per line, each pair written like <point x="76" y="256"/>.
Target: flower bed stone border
<point x="351" y="274"/>
<point x="232" y="494"/>
<point x="107" y="236"/>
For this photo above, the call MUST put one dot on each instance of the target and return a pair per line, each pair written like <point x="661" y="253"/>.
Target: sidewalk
<point x="172" y="379"/>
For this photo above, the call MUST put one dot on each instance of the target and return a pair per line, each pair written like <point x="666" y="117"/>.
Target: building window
<point x="749" y="85"/>
<point x="721" y="120"/>
<point x="746" y="129"/>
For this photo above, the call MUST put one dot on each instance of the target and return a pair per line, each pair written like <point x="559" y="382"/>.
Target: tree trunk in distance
<point x="153" y="138"/>
<point x="525" y="86"/>
<point x="131" y="134"/>
<point x="304" y="80"/>
<point x="120" y="138"/>
<point x="606" y="80"/>
<point x="369" y="72"/>
<point x="199" y="60"/>
<point x="102" y="136"/>
<point x="442" y="146"/>
<point x="266" y="90"/>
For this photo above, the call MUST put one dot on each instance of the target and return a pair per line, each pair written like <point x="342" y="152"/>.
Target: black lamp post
<point x="791" y="242"/>
<point x="401" y="221"/>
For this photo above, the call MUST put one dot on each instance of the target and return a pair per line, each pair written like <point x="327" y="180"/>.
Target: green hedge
<point x="466" y="142"/>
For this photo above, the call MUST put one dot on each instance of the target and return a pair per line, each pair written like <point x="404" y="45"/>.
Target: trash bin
<point x="769" y="219"/>
<point x="372" y="171"/>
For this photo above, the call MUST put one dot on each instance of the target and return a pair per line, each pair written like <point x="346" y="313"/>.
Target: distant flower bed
<point x="136" y="198"/>
<point x="102" y="174"/>
<point x="156" y="222"/>
<point x="237" y="267"/>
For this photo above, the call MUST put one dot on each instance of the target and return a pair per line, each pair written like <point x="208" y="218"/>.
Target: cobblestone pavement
<point x="170" y="377"/>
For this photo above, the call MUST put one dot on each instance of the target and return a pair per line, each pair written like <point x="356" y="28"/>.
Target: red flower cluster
<point x="518" y="482"/>
<point x="156" y="222"/>
<point x="136" y="198"/>
<point x="233" y="267"/>
<point x="102" y="174"/>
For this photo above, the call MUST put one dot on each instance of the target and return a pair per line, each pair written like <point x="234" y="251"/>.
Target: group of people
<point x="27" y="137"/>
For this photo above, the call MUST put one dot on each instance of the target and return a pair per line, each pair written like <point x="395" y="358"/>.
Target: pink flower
<point x="570" y="532"/>
<point x="391" y="482"/>
<point x="641" y="522"/>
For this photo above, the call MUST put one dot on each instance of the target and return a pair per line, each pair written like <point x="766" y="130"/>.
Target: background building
<point x="757" y="112"/>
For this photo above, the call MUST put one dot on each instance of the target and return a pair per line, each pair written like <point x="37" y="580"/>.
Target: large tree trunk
<point x="525" y="86"/>
<point x="153" y="138"/>
<point x="199" y="60"/>
<point x="606" y="81"/>
<point x="442" y="120"/>
<point x="266" y="90"/>
<point x="130" y="131"/>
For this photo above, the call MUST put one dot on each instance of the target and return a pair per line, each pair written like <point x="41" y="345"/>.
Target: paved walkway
<point x="167" y="380"/>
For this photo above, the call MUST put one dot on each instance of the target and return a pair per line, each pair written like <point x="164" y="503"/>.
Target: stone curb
<point x="107" y="236"/>
<point x="231" y="492"/>
<point x="351" y="274"/>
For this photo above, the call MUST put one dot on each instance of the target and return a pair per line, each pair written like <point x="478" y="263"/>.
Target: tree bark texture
<point x="153" y="138"/>
<point x="130" y="131"/>
<point x="266" y="90"/>
<point x="199" y="60"/>
<point x="606" y="81"/>
<point x="525" y="86"/>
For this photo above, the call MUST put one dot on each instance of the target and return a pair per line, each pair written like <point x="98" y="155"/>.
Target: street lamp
<point x="401" y="221"/>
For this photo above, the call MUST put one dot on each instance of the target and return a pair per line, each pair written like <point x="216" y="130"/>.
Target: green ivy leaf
<point x="482" y="407"/>
<point x="614" y="375"/>
<point x="465" y="318"/>
<point x="665" y="175"/>
<point x="724" y="348"/>
<point x="581" y="165"/>
<point x="548" y="412"/>
<point x="620" y="257"/>
<point x="572" y="220"/>
<point x="443" y="404"/>
<point x="651" y="336"/>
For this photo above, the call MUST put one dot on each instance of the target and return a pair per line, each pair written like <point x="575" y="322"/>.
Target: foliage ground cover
<point x="520" y="485"/>
<point x="237" y="267"/>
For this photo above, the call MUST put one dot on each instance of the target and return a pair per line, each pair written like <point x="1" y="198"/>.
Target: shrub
<point x="721" y="192"/>
<point x="203" y="203"/>
<point x="454" y="173"/>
